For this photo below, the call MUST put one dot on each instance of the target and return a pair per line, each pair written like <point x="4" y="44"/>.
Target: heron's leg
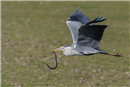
<point x="117" y="54"/>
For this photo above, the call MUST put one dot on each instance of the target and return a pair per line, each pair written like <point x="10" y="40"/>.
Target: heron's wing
<point x="78" y="16"/>
<point x="73" y="26"/>
<point x="90" y="35"/>
<point x="76" y="20"/>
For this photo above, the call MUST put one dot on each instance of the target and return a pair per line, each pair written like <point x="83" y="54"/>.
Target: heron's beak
<point x="58" y="49"/>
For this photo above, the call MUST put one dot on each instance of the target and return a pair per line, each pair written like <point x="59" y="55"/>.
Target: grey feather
<point x="73" y="26"/>
<point x="78" y="16"/>
<point x="99" y="17"/>
<point x="76" y="20"/>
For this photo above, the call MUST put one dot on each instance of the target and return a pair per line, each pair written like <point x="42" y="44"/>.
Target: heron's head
<point x="61" y="48"/>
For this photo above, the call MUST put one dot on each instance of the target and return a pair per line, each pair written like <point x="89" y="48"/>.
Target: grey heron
<point x="86" y="36"/>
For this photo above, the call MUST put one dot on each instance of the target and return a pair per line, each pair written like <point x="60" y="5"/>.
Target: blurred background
<point x="31" y="30"/>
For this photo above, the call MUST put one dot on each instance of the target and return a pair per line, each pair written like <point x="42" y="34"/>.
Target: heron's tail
<point x="98" y="19"/>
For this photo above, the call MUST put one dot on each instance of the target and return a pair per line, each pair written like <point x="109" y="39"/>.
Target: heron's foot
<point x="117" y="55"/>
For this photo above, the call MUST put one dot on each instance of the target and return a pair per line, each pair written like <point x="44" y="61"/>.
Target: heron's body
<point x="69" y="51"/>
<point x="80" y="50"/>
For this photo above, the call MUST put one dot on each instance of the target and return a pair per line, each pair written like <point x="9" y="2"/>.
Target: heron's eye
<point x="65" y="46"/>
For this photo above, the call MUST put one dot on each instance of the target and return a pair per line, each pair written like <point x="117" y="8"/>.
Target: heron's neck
<point x="67" y="51"/>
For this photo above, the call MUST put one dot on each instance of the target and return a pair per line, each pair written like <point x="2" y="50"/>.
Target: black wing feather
<point x="90" y="35"/>
<point x="95" y="31"/>
<point x="98" y="19"/>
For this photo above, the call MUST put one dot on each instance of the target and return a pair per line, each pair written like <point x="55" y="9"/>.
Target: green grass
<point x="30" y="30"/>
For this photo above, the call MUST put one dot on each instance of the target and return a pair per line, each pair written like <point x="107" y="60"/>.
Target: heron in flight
<point x="86" y="36"/>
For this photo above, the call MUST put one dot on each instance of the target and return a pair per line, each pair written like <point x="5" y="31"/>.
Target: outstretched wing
<point x="76" y="20"/>
<point x="78" y="16"/>
<point x="90" y="35"/>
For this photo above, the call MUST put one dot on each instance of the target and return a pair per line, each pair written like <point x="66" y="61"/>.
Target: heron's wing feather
<point x="73" y="26"/>
<point x="98" y="19"/>
<point x="76" y="20"/>
<point x="90" y="35"/>
<point x="78" y="16"/>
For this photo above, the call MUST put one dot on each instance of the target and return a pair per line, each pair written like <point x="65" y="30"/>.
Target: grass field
<point x="30" y="30"/>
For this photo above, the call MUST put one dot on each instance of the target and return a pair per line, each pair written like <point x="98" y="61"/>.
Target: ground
<point x="31" y="30"/>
